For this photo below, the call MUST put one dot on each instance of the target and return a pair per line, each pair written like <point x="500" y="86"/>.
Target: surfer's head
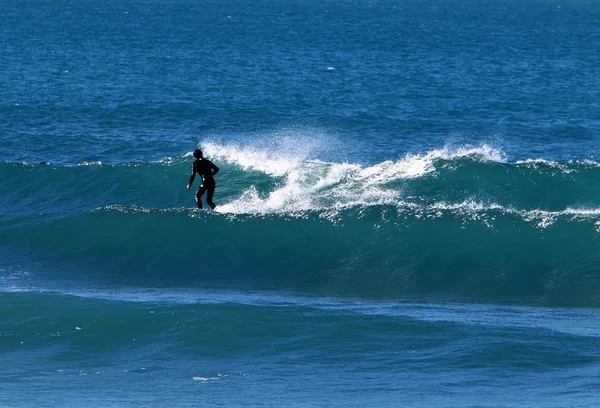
<point x="198" y="154"/>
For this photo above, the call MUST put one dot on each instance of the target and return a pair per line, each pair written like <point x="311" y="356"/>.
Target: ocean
<point x="408" y="203"/>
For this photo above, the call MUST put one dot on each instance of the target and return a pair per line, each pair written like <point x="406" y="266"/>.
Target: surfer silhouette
<point x="206" y="169"/>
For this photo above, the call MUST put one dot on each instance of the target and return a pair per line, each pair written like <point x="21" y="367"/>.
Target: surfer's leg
<point x="199" y="194"/>
<point x="209" y="197"/>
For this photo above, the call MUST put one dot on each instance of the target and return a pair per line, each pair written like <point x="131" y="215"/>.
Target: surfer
<point x="206" y="169"/>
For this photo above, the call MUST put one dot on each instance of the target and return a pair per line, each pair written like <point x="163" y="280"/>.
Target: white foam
<point x="484" y="152"/>
<point x="468" y="205"/>
<point x="208" y="379"/>
<point x="590" y="163"/>
<point x="298" y="193"/>
<point x="316" y="185"/>
<point x="417" y="165"/>
<point x="250" y="158"/>
<point x="536" y="161"/>
<point x="478" y="210"/>
<point x="92" y="163"/>
<point x="275" y="154"/>
<point x="563" y="167"/>
<point x="165" y="160"/>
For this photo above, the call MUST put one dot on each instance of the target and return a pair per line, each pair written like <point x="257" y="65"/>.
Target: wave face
<point x="461" y="222"/>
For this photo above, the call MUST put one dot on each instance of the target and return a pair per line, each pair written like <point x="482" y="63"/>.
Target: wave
<point x="453" y="221"/>
<point x="482" y="253"/>
<point x="436" y="310"/>
<point x="274" y="180"/>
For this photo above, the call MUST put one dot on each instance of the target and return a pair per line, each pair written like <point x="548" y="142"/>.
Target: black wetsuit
<point x="206" y="169"/>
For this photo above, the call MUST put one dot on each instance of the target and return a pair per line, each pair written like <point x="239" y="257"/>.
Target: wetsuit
<point x="206" y="169"/>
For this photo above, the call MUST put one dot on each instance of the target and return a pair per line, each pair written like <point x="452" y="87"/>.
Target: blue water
<point x="408" y="203"/>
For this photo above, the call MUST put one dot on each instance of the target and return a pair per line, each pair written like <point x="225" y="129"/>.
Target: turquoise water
<point x="408" y="204"/>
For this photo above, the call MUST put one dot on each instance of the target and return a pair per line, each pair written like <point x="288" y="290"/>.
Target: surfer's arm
<point x="192" y="177"/>
<point x="214" y="168"/>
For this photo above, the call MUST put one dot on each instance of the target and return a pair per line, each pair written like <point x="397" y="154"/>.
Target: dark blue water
<point x="408" y="203"/>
